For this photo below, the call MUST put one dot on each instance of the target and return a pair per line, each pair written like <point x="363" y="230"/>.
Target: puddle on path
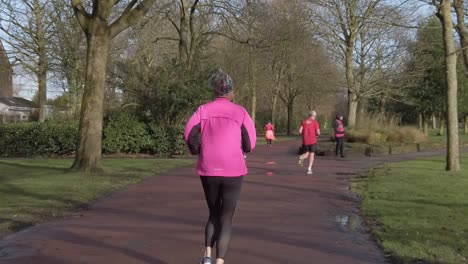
<point x="349" y="223"/>
<point x="13" y="252"/>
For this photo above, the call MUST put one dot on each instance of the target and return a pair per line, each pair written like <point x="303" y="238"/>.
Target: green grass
<point x="36" y="190"/>
<point x="434" y="137"/>
<point x="418" y="211"/>
<point x="279" y="138"/>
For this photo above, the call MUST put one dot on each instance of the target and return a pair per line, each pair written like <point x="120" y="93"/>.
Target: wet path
<point x="284" y="216"/>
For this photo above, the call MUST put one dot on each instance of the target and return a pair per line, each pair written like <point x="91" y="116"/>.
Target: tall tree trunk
<point x="42" y="63"/>
<point x="252" y="82"/>
<point x="352" y="94"/>
<point x="462" y="31"/>
<point x="434" y="122"/>
<point x="290" y="117"/>
<point x="445" y="16"/>
<point x="88" y="157"/>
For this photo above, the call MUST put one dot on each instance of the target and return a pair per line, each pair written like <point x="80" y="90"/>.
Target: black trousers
<point x="221" y="194"/>
<point x="339" y="145"/>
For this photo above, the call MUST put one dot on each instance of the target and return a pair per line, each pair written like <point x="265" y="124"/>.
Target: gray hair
<point x="312" y="113"/>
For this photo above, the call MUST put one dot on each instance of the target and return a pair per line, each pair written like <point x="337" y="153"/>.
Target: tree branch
<point x="130" y="16"/>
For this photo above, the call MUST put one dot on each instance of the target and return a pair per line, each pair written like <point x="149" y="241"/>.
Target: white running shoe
<point x="309" y="171"/>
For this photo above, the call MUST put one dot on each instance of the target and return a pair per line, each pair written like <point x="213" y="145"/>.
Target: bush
<point x="30" y="139"/>
<point x="356" y="135"/>
<point x="123" y="133"/>
<point x="407" y="135"/>
<point x="376" y="138"/>
<point x="167" y="140"/>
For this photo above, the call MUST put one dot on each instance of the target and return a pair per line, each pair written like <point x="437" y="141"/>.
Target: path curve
<point x="284" y="216"/>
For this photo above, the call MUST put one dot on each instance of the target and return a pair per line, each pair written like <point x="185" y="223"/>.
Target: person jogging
<point x="220" y="132"/>
<point x="310" y="130"/>
<point x="269" y="133"/>
<point x="339" y="135"/>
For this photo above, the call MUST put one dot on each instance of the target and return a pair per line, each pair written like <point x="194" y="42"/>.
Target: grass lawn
<point x="36" y="190"/>
<point x="418" y="211"/>
<point x="279" y="138"/>
<point x="434" y="137"/>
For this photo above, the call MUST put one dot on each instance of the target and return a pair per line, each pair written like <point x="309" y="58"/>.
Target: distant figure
<point x="339" y="135"/>
<point x="310" y="131"/>
<point x="220" y="132"/>
<point x="269" y="133"/>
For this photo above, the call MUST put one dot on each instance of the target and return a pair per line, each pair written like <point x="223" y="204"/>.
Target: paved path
<point x="284" y="216"/>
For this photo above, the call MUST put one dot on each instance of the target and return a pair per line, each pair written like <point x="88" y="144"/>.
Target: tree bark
<point x="420" y="121"/>
<point x="88" y="158"/>
<point x="441" y="126"/>
<point x="42" y="61"/>
<point x="462" y="31"/>
<point x="425" y="125"/>
<point x="465" y="124"/>
<point x="183" y="33"/>
<point x="252" y="82"/>
<point x="352" y="94"/>
<point x="434" y="122"/>
<point x="445" y="16"/>
<point x="290" y="117"/>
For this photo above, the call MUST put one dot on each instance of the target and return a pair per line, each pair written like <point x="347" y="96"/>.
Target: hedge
<point x="122" y="133"/>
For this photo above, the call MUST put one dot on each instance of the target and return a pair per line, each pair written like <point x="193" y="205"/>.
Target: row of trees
<point x="153" y="58"/>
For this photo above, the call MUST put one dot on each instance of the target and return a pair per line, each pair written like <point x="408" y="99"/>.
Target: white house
<point x="17" y="109"/>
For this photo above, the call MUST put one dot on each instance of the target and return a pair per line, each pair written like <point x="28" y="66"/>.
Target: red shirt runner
<point x="309" y="131"/>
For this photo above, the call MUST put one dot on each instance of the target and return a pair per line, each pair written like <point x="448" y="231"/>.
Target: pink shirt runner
<point x="219" y="132"/>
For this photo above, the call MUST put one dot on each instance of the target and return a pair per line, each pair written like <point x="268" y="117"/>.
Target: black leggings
<point x="269" y="141"/>
<point x="222" y="194"/>
<point x="339" y="146"/>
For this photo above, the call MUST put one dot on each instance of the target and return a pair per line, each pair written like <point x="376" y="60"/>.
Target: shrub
<point x="123" y="133"/>
<point x="376" y="138"/>
<point x="407" y="135"/>
<point x="356" y="135"/>
<point x="29" y="139"/>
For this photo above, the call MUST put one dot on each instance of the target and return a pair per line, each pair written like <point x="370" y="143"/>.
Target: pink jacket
<point x="219" y="132"/>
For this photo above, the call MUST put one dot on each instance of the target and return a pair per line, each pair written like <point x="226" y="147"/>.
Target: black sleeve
<point x="194" y="140"/>
<point x="246" y="147"/>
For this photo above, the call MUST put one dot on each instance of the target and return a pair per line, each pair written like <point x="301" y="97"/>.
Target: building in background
<point x="12" y="109"/>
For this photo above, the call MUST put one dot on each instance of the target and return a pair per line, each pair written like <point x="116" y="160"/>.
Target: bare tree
<point x="342" y="22"/>
<point x="100" y="25"/>
<point x="28" y="27"/>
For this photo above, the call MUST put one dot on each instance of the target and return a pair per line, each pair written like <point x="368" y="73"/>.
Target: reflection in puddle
<point x="350" y="223"/>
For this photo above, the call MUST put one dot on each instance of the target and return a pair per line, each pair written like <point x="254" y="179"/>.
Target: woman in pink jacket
<point x="219" y="132"/>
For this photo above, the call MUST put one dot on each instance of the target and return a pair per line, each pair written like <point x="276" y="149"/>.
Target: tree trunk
<point x="42" y="63"/>
<point x="352" y="94"/>
<point x="465" y="124"/>
<point x="425" y="125"/>
<point x="88" y="156"/>
<point x="462" y="31"/>
<point x="42" y="88"/>
<point x="420" y="121"/>
<point x="352" y="110"/>
<point x="434" y="122"/>
<point x="252" y="81"/>
<point x="290" y="118"/>
<point x="275" y="97"/>
<point x="183" y="34"/>
<point x="445" y="16"/>
<point x="441" y="126"/>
